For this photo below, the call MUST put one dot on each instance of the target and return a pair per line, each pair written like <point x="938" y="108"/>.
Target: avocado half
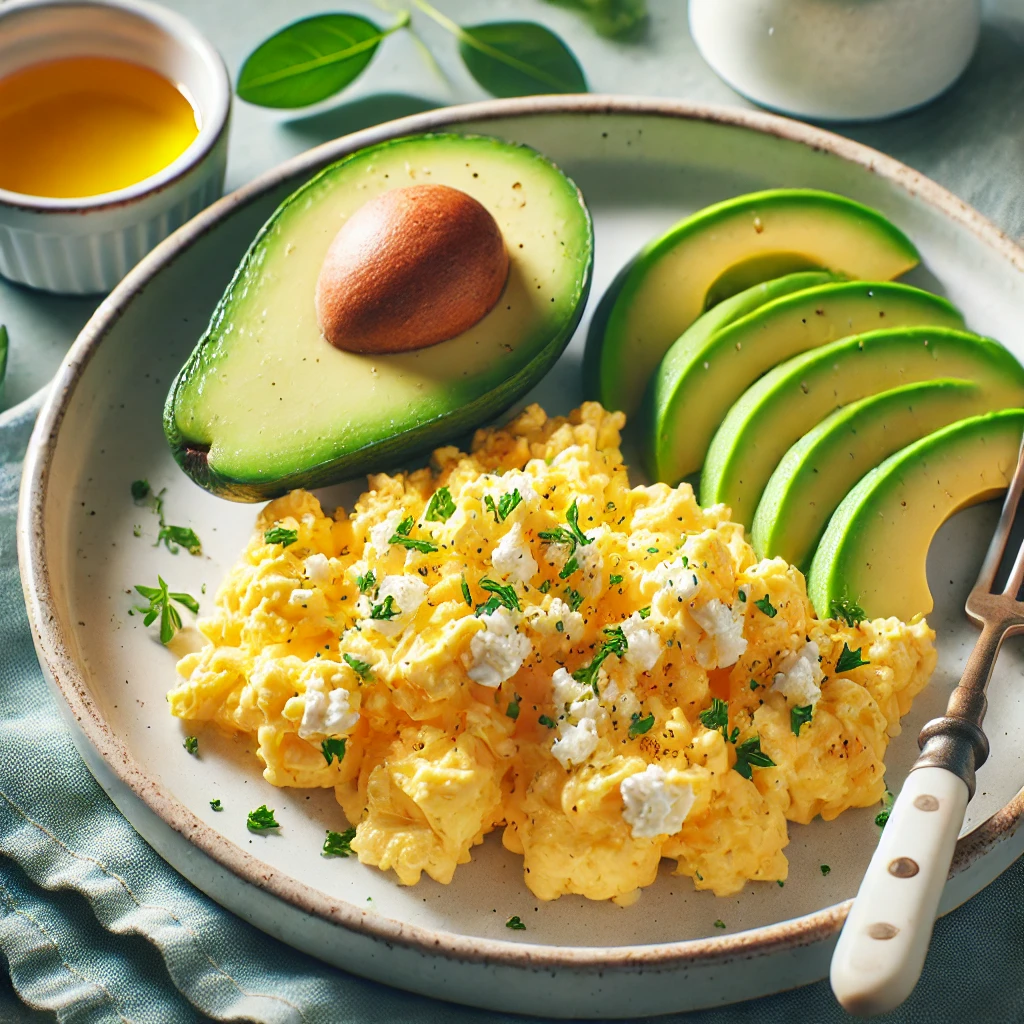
<point x="265" y="404"/>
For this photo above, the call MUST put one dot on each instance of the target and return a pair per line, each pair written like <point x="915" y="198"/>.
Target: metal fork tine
<point x="997" y="548"/>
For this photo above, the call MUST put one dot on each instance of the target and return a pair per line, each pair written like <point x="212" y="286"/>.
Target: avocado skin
<point x="189" y="452"/>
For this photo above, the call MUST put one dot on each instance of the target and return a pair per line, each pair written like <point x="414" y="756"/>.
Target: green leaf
<point x="311" y="59"/>
<point x="849" y="660"/>
<point x="363" y="669"/>
<point x="615" y="579"/>
<point x="339" y="844"/>
<point x="331" y="748"/>
<point x="882" y="817"/>
<point x="515" y="924"/>
<point x="175" y="536"/>
<point x="140" y="490"/>
<point x="367" y="582"/>
<point x="849" y="611"/>
<point x="386" y="610"/>
<point x="615" y="19"/>
<point x="716" y="716"/>
<point x="765" y="604"/>
<point x="504" y="592"/>
<point x="638" y="726"/>
<point x="513" y="707"/>
<point x="187" y="600"/>
<point x="574" y="598"/>
<point x="261" y="820"/>
<point x="749" y="755"/>
<point x="569" y="568"/>
<point x="466" y="595"/>
<point x="825" y="869"/>
<point x="281" y="535"/>
<point x="216" y="804"/>
<point x="191" y="744"/>
<point x="547" y="721"/>
<point x="799" y="717"/>
<point x="440" y="508"/>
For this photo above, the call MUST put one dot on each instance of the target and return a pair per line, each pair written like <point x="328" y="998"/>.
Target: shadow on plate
<point x="354" y="116"/>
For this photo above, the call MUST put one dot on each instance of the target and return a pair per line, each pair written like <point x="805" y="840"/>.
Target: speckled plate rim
<point x="54" y="648"/>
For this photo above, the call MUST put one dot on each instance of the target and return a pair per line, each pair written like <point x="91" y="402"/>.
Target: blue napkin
<point x="96" y="928"/>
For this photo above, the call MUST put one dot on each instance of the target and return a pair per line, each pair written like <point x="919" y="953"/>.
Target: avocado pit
<point x="413" y="267"/>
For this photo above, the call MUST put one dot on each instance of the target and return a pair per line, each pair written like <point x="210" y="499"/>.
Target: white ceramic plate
<point x="641" y="165"/>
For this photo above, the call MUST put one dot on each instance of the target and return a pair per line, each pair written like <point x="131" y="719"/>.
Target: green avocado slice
<point x="701" y="377"/>
<point x="720" y="249"/>
<point x="874" y="551"/>
<point x="788" y="401"/>
<point x="265" y="403"/>
<point x="821" y="468"/>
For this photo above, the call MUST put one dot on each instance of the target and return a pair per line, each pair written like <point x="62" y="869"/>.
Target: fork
<point x="883" y="944"/>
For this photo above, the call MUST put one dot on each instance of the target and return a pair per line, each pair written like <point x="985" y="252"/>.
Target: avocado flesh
<point x="265" y="403"/>
<point x="700" y="378"/>
<point x="823" y="466"/>
<point x="788" y="401"/>
<point x="875" y="549"/>
<point x="666" y="287"/>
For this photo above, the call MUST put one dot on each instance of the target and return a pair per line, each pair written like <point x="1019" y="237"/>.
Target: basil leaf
<point x="519" y="58"/>
<point x="612" y="18"/>
<point x="310" y="60"/>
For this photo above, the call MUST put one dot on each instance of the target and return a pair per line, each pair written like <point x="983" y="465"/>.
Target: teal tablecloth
<point x="94" y="927"/>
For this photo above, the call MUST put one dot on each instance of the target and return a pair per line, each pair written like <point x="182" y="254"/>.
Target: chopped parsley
<point x="401" y="536"/>
<point x="191" y="744"/>
<point x="440" y="508"/>
<point x="849" y="660"/>
<point x="281" y="535"/>
<point x="216" y="805"/>
<point x="717" y="717"/>
<point x="765" y="604"/>
<point x="749" y="755"/>
<point x="502" y="594"/>
<point x="849" y="611"/>
<point x="825" y="869"/>
<point x="615" y="643"/>
<point x="545" y="720"/>
<point x="333" y="747"/>
<point x="179" y="536"/>
<point x="386" y="610"/>
<point x="652" y="551"/>
<point x="161" y="604"/>
<point x="638" y="726"/>
<point x="506" y="503"/>
<point x="466" y="595"/>
<point x="261" y="820"/>
<point x="574" y="598"/>
<point x="644" y="613"/>
<point x="513" y="707"/>
<point x="754" y="684"/>
<point x="742" y="594"/>
<point x="615" y="579"/>
<point x="339" y="844"/>
<point x="367" y="582"/>
<point x="515" y="924"/>
<point x="363" y="669"/>
<point x="799" y="717"/>
<point x="883" y="815"/>
<point x="545" y="586"/>
<point x="140" y="490"/>
<point x="780" y="883"/>
<point x="719" y="923"/>
<point x="574" y="536"/>
<point x="569" y="568"/>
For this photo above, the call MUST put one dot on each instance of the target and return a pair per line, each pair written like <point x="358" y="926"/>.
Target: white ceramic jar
<point x="837" y="60"/>
<point x="86" y="245"/>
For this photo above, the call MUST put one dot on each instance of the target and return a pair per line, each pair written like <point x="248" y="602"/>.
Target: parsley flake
<point x="569" y="568"/>
<point x="333" y="747"/>
<point x="716" y="716"/>
<point x="615" y="579"/>
<point x="515" y="924"/>
<point x="513" y="707"/>
<point x="545" y="720"/>
<point x="799" y="717"/>
<point x="179" y="536"/>
<point x="849" y="611"/>
<point x="719" y="923"/>
<point x="825" y="869"/>
<point x="261" y="820"/>
<point x="765" y="604"/>
<point x="506" y="503"/>
<point x="363" y="669"/>
<point x="161" y="605"/>
<point x="742" y="594"/>
<point x="281" y="535"/>
<point x="401" y="536"/>
<point x="574" y="598"/>
<point x="367" y="582"/>
<point x="615" y="643"/>
<point x="338" y="844"/>
<point x="883" y="815"/>
<point x="466" y="595"/>
<point x="850" y="660"/>
<point x="140" y="490"/>
<point x="644" y="613"/>
<point x="638" y="726"/>
<point x="652" y="551"/>
<point x="754" y="684"/>
<point x="386" y="610"/>
<point x="545" y="586"/>
<point x="749" y="755"/>
<point x="191" y="744"/>
<point x="440" y="508"/>
<point x="216" y="805"/>
<point x="503" y="594"/>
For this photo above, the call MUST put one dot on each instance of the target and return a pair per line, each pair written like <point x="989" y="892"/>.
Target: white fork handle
<point x="881" y="950"/>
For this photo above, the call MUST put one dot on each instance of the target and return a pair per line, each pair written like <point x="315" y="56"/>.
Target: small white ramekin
<point x="86" y="245"/>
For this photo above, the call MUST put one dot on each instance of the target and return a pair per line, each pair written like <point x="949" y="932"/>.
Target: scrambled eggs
<point x="517" y="638"/>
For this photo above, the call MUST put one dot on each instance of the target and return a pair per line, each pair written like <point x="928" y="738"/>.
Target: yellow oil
<point x="81" y="126"/>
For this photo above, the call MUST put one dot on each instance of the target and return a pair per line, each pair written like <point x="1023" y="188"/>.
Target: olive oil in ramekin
<point x="82" y="126"/>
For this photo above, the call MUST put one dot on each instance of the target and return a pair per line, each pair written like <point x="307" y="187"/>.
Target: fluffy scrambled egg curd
<point x="517" y="638"/>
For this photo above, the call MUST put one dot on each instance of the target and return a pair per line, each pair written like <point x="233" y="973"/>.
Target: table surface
<point x="971" y="140"/>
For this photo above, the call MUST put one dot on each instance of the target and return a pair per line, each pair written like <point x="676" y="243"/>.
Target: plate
<point x="642" y="165"/>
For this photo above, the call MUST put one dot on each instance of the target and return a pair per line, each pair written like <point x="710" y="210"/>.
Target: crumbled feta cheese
<point x="300" y="596"/>
<point x="318" y="568"/>
<point x="724" y="628"/>
<point x="326" y="714"/>
<point x="564" y="689"/>
<point x="644" y="646"/>
<point x="407" y="592"/>
<point x="575" y="743"/>
<point x="672" y="583"/>
<point x="655" y="804"/>
<point x="497" y="651"/>
<point x="512" y="556"/>
<point x="799" y="676"/>
<point x="546" y="621"/>
<point x="381" y="534"/>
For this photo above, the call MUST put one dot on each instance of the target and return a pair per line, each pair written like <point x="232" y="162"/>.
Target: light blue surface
<point x="94" y="927"/>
